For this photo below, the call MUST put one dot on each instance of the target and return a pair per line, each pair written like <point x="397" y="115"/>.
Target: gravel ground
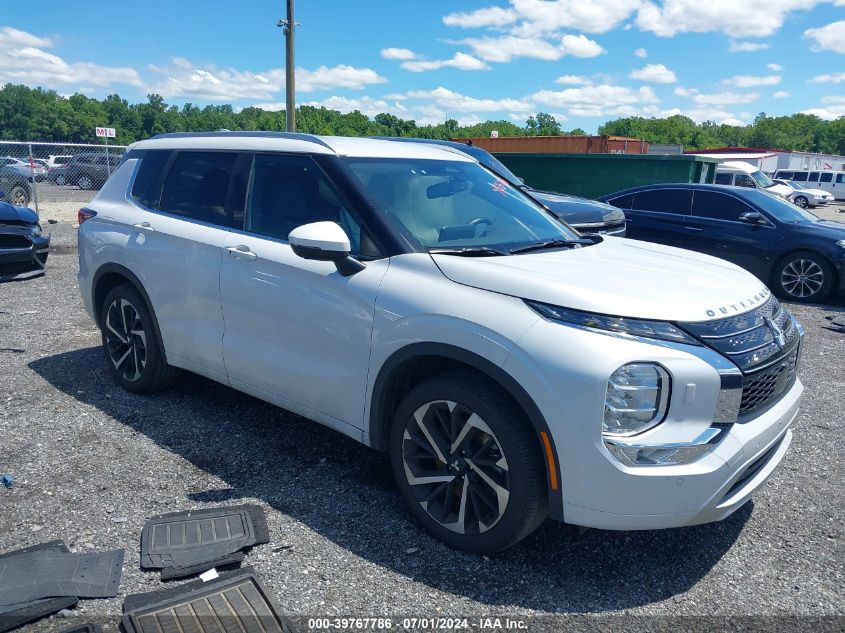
<point x="91" y="462"/>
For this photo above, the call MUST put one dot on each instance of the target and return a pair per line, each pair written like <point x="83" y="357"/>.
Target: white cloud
<point x="452" y="101"/>
<point x="828" y="38"/>
<point x="593" y="101"/>
<point x="751" y="81"/>
<point x="747" y="47"/>
<point x="781" y="94"/>
<point x="461" y="61"/>
<point x="833" y="78"/>
<point x="735" y="18"/>
<point x="398" y="53"/>
<point x="580" y="46"/>
<point x="654" y="73"/>
<point x="492" y="16"/>
<point x="23" y="60"/>
<point x="547" y="16"/>
<point x="505" y="48"/>
<point x="833" y="109"/>
<point x="181" y="78"/>
<point x="717" y="99"/>
<point x="774" y="67"/>
<point x="366" y="105"/>
<point x="573" y="80"/>
<point x="641" y="53"/>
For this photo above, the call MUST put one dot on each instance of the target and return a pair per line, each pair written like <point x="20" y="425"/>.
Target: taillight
<point x="84" y="215"/>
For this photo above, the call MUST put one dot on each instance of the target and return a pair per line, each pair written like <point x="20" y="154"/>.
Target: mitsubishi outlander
<point x="407" y="297"/>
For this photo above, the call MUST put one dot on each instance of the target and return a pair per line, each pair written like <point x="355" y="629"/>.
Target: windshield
<point x="780" y="208"/>
<point x="493" y="164"/>
<point x="762" y="179"/>
<point x="796" y="185"/>
<point x="455" y="205"/>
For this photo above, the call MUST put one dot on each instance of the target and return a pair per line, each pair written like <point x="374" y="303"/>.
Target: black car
<point x="585" y="215"/>
<point x="800" y="256"/>
<point x="23" y="249"/>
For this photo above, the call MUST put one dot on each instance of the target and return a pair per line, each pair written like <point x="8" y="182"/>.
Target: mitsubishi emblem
<point x="780" y="339"/>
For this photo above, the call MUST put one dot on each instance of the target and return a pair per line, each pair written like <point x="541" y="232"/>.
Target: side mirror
<point x="752" y="217"/>
<point x="325" y="242"/>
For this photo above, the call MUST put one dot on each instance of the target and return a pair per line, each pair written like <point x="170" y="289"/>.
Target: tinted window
<point x="622" y="202"/>
<point x="840" y="178"/>
<point x="723" y="179"/>
<point x="744" y="180"/>
<point x="785" y="175"/>
<point x="718" y="206"/>
<point x="800" y="176"/>
<point x="197" y="186"/>
<point x="147" y="187"/>
<point x="826" y="177"/>
<point x="813" y="177"/>
<point x="664" y="201"/>
<point x="289" y="191"/>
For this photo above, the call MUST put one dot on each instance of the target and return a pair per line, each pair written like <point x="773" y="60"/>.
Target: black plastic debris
<point x="236" y="601"/>
<point x="18" y="614"/>
<point x="7" y="480"/>
<point x="186" y="543"/>
<point x="837" y="324"/>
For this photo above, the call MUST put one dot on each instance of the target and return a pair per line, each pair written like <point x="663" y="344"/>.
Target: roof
<point x="736" y="157"/>
<point x="736" y="150"/>
<point x="301" y="143"/>
<point x="676" y="185"/>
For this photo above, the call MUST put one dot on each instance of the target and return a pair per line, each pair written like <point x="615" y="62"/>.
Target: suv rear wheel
<point x="467" y="463"/>
<point x="18" y="195"/>
<point x="85" y="182"/>
<point x="130" y="342"/>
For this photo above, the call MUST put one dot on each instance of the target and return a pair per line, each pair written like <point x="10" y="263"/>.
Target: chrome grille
<point x="767" y="385"/>
<point x="752" y="339"/>
<point x="600" y="229"/>
<point x="764" y="343"/>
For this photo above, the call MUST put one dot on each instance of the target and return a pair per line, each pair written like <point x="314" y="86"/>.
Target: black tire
<point x="803" y="276"/>
<point x="130" y="343"/>
<point x="514" y="446"/>
<point x="18" y="195"/>
<point x="801" y="201"/>
<point x="84" y="181"/>
<point x="60" y="180"/>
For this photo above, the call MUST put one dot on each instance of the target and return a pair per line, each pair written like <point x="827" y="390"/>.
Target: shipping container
<point x="559" y="144"/>
<point x="593" y="175"/>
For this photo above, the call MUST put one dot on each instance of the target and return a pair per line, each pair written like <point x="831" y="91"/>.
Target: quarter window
<point x="664" y="201"/>
<point x="197" y="186"/>
<point x="718" y="206"/>
<point x="289" y="191"/>
<point x="840" y="178"/>
<point x="146" y="190"/>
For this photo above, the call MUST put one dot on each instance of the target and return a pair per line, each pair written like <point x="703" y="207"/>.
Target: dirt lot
<point x="91" y="462"/>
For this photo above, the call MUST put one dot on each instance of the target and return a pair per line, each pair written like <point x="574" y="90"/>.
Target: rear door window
<point x="664" y="201"/>
<point x="813" y="177"/>
<point x="826" y="176"/>
<point x="840" y="178"/>
<point x="197" y="186"/>
<point x="622" y="202"/>
<point x="718" y="206"/>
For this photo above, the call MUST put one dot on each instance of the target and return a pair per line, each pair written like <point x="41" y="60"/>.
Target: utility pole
<point x="289" y="28"/>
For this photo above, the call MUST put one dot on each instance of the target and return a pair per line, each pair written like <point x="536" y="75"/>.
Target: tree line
<point x="35" y="114"/>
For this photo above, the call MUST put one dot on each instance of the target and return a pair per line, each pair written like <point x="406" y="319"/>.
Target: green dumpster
<point x="593" y="175"/>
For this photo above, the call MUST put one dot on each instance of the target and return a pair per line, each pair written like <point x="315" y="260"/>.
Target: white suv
<point x="407" y="297"/>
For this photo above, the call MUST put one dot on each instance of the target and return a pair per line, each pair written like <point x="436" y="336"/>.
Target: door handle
<point x="241" y="252"/>
<point x="693" y="228"/>
<point x="144" y="227"/>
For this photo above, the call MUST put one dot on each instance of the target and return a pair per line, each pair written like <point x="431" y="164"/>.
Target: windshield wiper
<point x="550" y="244"/>
<point x="469" y="251"/>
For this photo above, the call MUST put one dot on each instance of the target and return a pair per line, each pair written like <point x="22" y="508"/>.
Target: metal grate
<point x="14" y="241"/>
<point x="766" y="386"/>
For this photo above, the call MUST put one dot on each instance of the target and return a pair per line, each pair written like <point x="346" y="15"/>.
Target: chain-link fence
<point x="56" y="179"/>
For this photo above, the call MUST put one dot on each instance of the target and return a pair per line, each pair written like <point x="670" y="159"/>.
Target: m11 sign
<point x="105" y="132"/>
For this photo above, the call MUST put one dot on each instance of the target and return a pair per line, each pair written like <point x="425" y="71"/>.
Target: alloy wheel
<point x="455" y="467"/>
<point x="802" y="278"/>
<point x="19" y="197"/>
<point x="85" y="182"/>
<point x="802" y="202"/>
<point x="60" y="180"/>
<point x="126" y="341"/>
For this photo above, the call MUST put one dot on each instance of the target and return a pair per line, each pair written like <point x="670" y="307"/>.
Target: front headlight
<point x="35" y="230"/>
<point x="637" y="399"/>
<point x="841" y="243"/>
<point x="605" y="324"/>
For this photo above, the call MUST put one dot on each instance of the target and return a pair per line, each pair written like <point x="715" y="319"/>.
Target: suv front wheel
<point x="467" y="463"/>
<point x="130" y="342"/>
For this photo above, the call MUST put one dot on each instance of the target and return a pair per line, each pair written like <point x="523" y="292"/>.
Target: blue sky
<point x="583" y="61"/>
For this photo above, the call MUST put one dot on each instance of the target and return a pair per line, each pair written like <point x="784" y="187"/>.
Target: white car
<point x="804" y="196"/>
<point x="405" y="296"/>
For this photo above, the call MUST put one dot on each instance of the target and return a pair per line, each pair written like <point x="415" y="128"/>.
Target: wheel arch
<point x="416" y="362"/>
<point x="110" y="276"/>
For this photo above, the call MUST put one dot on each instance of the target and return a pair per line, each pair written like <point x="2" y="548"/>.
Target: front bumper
<point x="709" y="489"/>
<point x="22" y="256"/>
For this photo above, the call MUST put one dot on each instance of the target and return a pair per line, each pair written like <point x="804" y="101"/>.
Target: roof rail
<point x="308" y="138"/>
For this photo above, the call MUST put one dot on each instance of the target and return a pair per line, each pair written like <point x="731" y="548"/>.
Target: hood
<point x="577" y="210"/>
<point x="618" y="277"/>
<point x="782" y="190"/>
<point x="11" y="213"/>
<point x="825" y="228"/>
